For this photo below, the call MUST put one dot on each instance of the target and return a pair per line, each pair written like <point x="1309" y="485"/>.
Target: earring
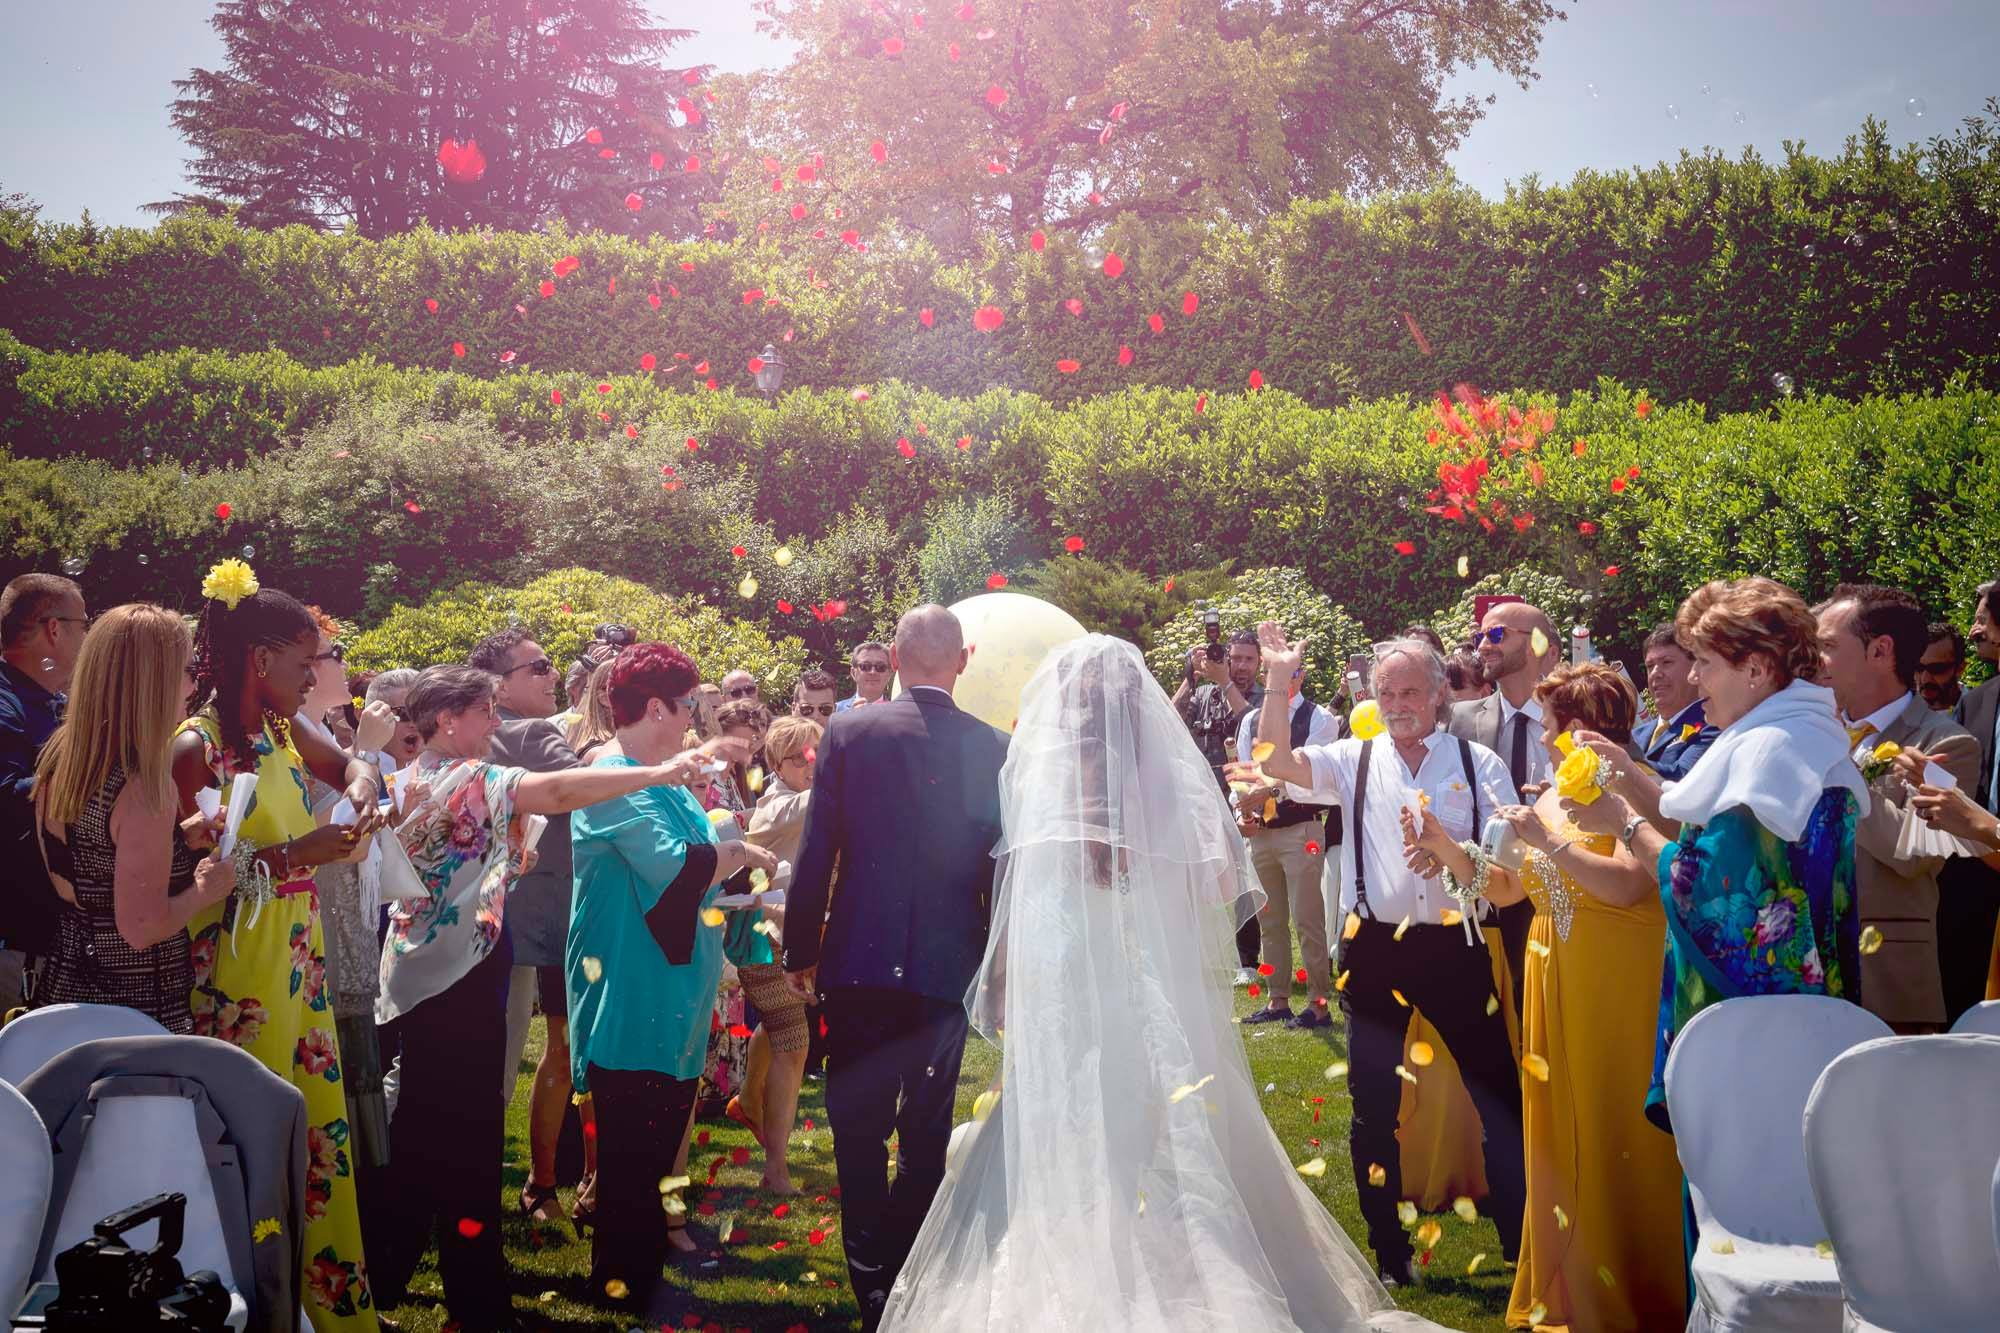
<point x="451" y="731"/>
<point x="48" y="664"/>
<point x="262" y="674"/>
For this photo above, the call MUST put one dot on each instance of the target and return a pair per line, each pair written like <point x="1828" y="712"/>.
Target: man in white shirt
<point x="1405" y="942"/>
<point x="1288" y="848"/>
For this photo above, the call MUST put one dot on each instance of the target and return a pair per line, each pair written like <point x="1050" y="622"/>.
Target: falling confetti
<point x="1562" y="1218"/>
<point x="1376" y="1175"/>
<point x="1338" y="1069"/>
<point x="1467" y="1210"/>
<point x="712" y="916"/>
<point x="593" y="970"/>
<point x="1535" y="1065"/>
<point x="1406" y="1213"/>
<point x="1187" y="1090"/>
<point x="1871" y="939"/>
<point x="1477" y="1260"/>
<point x="1313" y="1169"/>
<point x="988" y="318"/>
<point x="1421" y="1053"/>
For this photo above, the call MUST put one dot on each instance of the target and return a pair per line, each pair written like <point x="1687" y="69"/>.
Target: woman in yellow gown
<point x="259" y="963"/>
<point x="1601" y="1244"/>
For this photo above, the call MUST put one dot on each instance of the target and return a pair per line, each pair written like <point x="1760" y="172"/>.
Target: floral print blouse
<point x="465" y="844"/>
<point x="1751" y="914"/>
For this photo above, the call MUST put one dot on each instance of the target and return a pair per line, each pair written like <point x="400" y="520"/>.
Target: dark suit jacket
<point x="897" y="863"/>
<point x="1975" y="713"/>
<point x="538" y="904"/>
<point x="1670" y="756"/>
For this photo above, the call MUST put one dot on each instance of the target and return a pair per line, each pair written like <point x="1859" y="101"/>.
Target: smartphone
<point x="1360" y="676"/>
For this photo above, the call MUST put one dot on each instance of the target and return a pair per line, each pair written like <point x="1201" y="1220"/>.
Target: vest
<point x="1299" y="812"/>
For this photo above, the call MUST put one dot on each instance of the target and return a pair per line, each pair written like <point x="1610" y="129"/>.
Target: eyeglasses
<point x="1494" y="635"/>
<point x="85" y="621"/>
<point x="337" y="653"/>
<point x="541" y="666"/>
<point x="353" y="714"/>
<point x="1937" y="668"/>
<point x="742" y="692"/>
<point x="871" y="668"/>
<point x="814" y="710"/>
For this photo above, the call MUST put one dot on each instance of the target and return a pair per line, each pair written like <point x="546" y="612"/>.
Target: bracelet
<point x="1482" y="872"/>
<point x="1631" y="827"/>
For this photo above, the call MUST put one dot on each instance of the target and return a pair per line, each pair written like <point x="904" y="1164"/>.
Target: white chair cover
<point x="1737" y="1082"/>
<point x="1900" y="1135"/>
<point x="1996" y="1211"/>
<point x="24" y="1193"/>
<point x="41" y="1034"/>
<point x="1983" y="1017"/>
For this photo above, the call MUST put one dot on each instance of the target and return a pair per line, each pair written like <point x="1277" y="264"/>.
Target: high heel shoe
<point x="583" y="1212"/>
<point x="734" y="1110"/>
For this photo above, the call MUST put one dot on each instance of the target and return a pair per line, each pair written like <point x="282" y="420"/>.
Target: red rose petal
<point x="806" y="173"/>
<point x="965" y="442"/>
<point x="693" y="444"/>
<point x="635" y="201"/>
<point x="469" y="1227"/>
<point x="1255" y="990"/>
<point x="1038" y="242"/>
<point x="1156" y="322"/>
<point x="1069" y="367"/>
<point x="782" y="1210"/>
<point x="1611" y="571"/>
<point x="905" y="448"/>
<point x="555" y="396"/>
<point x="815" y="1237"/>
<point x="996" y="581"/>
<point x="988" y="318"/>
<point x="926" y="317"/>
<point x="756" y="363"/>
<point x="754" y="295"/>
<point x="548" y="288"/>
<point x="413" y="506"/>
<point x="1190" y="303"/>
<point x="1073" y="544"/>
<point x="1256" y="379"/>
<point x="458" y="349"/>
<point x="1124" y="355"/>
<point x="1201" y="403"/>
<point x="430" y="304"/>
<point x="879" y="151"/>
<point x="996" y="96"/>
<point x="738" y="1156"/>
<point x="1617" y="485"/>
<point x="1406" y="548"/>
<point x="648" y="361"/>
<point x="1073" y="305"/>
<point x="892" y="46"/>
<point x="631" y="432"/>
<point x="603" y="387"/>
<point x="784" y="607"/>
<point x="1113" y="265"/>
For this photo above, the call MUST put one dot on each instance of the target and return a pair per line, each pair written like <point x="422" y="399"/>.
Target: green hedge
<point x="1708" y="278"/>
<point x="1905" y="489"/>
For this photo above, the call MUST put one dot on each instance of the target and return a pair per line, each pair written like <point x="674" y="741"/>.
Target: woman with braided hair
<point x="258" y="958"/>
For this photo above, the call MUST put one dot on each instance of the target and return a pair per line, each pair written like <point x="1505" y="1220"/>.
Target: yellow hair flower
<point x="1366" y="720"/>
<point x="264" y="1230"/>
<point x="1578" y="778"/>
<point x="229" y="583"/>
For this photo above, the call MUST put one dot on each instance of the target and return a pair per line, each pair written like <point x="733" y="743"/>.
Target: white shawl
<point x="1776" y="760"/>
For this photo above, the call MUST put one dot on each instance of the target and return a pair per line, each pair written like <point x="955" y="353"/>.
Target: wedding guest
<point x="708" y="702"/>
<point x="1405" y="943"/>
<point x="1214" y="710"/>
<point x="1941" y="668"/>
<point x="391" y="689"/>
<point x="1969" y="890"/>
<point x="1465" y="678"/>
<point x="776" y="1064"/>
<point x="538" y="908"/>
<point x="736" y="789"/>
<point x="739" y="686"/>
<point x="259" y="957"/>
<point x="445" y="967"/>
<point x="1508" y="722"/>
<point x="814" y="695"/>
<point x="642" y="965"/>
<point x="1426" y="633"/>
<point x="1603" y="1184"/>
<point x="1682" y="733"/>
<point x="1759" y="888"/>
<point x="594" y="725"/>
<point x="1870" y="638"/>
<point x="869" y="662"/>
<point x="129" y="877"/>
<point x="42" y="623"/>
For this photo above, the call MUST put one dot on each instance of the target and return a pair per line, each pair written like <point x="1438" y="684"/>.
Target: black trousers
<point x="891" y="1066"/>
<point x="641" y="1115"/>
<point x="1968" y="902"/>
<point x="1514" y="923"/>
<point x="445" y="1145"/>
<point x="1451" y="981"/>
<point x="1248" y="940"/>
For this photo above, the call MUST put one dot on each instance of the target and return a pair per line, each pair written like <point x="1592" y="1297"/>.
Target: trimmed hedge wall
<point x="1706" y="279"/>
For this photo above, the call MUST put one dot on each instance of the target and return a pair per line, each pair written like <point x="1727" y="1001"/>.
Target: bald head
<point x="929" y="647"/>
<point x="1512" y="662"/>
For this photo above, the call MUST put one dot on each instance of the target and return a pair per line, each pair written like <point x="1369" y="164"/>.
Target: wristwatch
<point x="1631" y="827"/>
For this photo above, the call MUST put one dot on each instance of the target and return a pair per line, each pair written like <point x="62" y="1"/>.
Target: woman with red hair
<point x="643" y="961"/>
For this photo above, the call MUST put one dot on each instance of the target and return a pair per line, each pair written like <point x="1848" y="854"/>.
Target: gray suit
<point x="538" y="905"/>
<point x="1479" y="721"/>
<point x="1900" y="982"/>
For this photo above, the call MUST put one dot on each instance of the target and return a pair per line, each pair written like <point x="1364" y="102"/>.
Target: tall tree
<point x="384" y="114"/>
<point x="1009" y="115"/>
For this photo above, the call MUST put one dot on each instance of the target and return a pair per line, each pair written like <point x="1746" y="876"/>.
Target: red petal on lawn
<point x="1156" y="322"/>
<point x="1255" y="990"/>
<point x="965" y="442"/>
<point x="1643" y="407"/>
<point x="657" y="160"/>
<point x="815" y="1237"/>
<point x="836" y="608"/>
<point x="1069" y="367"/>
<point x="1124" y="355"/>
<point x="996" y="96"/>
<point x="1113" y="265"/>
<point x="905" y="448"/>
<point x="850" y="237"/>
<point x="951" y="52"/>
<point x="555" y="396"/>
<point x="635" y="201"/>
<point x="1038" y="242"/>
<point x="782" y="1210"/>
<point x="738" y="1156"/>
<point x="1266" y="970"/>
<point x="1073" y="544"/>
<point x="506" y="356"/>
<point x="879" y="151"/>
<point x="458" y="349"/>
<point x="1300" y="976"/>
<point x="1522" y="522"/>
<point x="1169" y="587"/>
<point x="593" y="136"/>
<point x="1611" y="571"/>
<point x="223" y="511"/>
<point x="1256" y="379"/>
<point x="1633" y="472"/>
<point x="988" y="318"/>
<point x="1406" y="548"/>
<point x="926" y="317"/>
<point x="965" y="13"/>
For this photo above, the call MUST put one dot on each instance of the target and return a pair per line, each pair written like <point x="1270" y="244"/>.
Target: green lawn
<point x="775" y="1279"/>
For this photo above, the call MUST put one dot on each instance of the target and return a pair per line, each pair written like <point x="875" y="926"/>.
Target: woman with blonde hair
<point x="104" y="800"/>
<point x="593" y="725"/>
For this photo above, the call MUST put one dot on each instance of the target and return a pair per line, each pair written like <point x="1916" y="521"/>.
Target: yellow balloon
<point x="1009" y="634"/>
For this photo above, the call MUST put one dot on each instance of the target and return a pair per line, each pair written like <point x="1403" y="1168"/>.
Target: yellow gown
<point x="1611" y="1259"/>
<point x="1437" y="1126"/>
<point x="260" y="983"/>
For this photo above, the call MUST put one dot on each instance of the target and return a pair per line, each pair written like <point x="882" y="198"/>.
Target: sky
<point x="85" y="84"/>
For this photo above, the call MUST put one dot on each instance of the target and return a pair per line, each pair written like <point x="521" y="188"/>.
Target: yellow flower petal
<point x="754" y="780"/>
<point x="1316" y="1167"/>
<point x="1562" y="1219"/>
<point x="1464" y="566"/>
<point x="767" y="929"/>
<point x="1340" y="982"/>
<point x="593" y="970"/>
<point x="1477" y="1260"/>
<point x="1537" y="948"/>
<point x="1376" y="1175"/>
<point x="1538" y="642"/>
<point x="1536" y="1066"/>
<point x="1467" y="1210"/>
<point x="1353" y="926"/>
<point x="1261" y="751"/>
<point x="616" y="1290"/>
<point x="1871" y="939"/>
<point x="782" y="556"/>
<point x="1450" y="916"/>
<point x="983" y="1104"/>
<point x="1187" y="1090"/>
<point x="673" y="1205"/>
<point x="1824" y="1249"/>
<point x="1492" y="1005"/>
<point x="1604" y="1276"/>
<point x="1428" y="1235"/>
<point x="1401" y="926"/>
<point x="1723" y="1246"/>
<point x="1406" y="1213"/>
<point x="1365" y="722"/>
<point x="1538" y="1313"/>
<point x="1405" y="1074"/>
<point x="1270" y="808"/>
<point x="748" y="588"/>
<point x="1338" y="1069"/>
<point x="1399" y="998"/>
<point x="1886" y="751"/>
<point x="668" y="1184"/>
<point x="712" y="916"/>
<point x="1421" y="1053"/>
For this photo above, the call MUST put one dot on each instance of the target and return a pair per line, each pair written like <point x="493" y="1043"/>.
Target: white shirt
<point x="1537" y="766"/>
<point x="1323" y="730"/>
<point x="1877" y="720"/>
<point x="1394" y="890"/>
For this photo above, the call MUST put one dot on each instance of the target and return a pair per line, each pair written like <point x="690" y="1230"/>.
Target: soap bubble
<point x="1704" y="90"/>
<point x="145" y="560"/>
<point x="1782" y="383"/>
<point x="1855" y="240"/>
<point x="1739" y="117"/>
<point x="1916" y="107"/>
<point x="1673" y="112"/>
<point x="1583" y="289"/>
<point x="1808" y="251"/>
<point x="73" y="565"/>
<point x="1591" y="88"/>
<point x="249" y="553"/>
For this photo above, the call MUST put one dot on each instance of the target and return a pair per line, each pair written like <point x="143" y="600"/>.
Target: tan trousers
<point x="1292" y="877"/>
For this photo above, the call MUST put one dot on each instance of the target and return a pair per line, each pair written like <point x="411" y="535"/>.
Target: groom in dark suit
<point x="886" y="922"/>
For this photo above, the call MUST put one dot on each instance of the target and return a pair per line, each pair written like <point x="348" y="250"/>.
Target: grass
<point x="777" y="1280"/>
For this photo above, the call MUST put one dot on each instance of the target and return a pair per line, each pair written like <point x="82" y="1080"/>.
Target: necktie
<point x="1517" y="758"/>
<point x="1658" y="727"/>
<point x="1856" y="735"/>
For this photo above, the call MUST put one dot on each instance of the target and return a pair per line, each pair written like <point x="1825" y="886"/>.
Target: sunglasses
<point x="871" y="668"/>
<point x="353" y="714"/>
<point x="541" y="666"/>
<point x="742" y="692"/>
<point x="814" y="710"/>
<point x="1495" y="635"/>
<point x="337" y="653"/>
<point x="1937" y="668"/>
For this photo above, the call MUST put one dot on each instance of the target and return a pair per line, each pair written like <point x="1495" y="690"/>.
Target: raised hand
<point x="1281" y="656"/>
<point x="375" y="726"/>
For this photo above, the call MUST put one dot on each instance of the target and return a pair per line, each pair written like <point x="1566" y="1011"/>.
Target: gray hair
<point x="446" y="689"/>
<point x="395" y="678"/>
<point x="1417" y="649"/>
<point x="929" y="639"/>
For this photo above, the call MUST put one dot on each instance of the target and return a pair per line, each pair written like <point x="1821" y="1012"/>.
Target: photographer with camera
<point x="1218" y="690"/>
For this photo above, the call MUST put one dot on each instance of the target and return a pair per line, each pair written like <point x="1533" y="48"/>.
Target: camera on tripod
<point x="104" y="1285"/>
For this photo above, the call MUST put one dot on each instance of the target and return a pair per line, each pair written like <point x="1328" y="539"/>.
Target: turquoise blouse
<point x="642" y="969"/>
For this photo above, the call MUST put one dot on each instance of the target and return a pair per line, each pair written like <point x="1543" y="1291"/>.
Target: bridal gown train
<point x="1128" y="1177"/>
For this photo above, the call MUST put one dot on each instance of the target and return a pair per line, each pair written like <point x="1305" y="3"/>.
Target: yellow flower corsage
<point x="1880" y="760"/>
<point x="1690" y="730"/>
<point x="1580" y="777"/>
<point x="1366" y="720"/>
<point x="264" y="1230"/>
<point x="229" y="583"/>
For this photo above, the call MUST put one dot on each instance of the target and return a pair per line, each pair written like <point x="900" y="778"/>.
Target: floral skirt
<point x="262" y="986"/>
<point x="728" y="1047"/>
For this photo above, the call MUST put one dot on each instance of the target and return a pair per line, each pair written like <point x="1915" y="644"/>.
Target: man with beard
<point x="1214" y="710"/>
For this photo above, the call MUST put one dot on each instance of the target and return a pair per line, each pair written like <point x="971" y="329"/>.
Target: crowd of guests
<point x="1622" y="861"/>
<point x="428" y="856"/>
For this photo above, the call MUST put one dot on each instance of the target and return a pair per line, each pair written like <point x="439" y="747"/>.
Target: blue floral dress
<point x="1751" y="914"/>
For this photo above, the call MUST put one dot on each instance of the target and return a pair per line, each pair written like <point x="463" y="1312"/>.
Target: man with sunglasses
<point x="813" y="697"/>
<point x="1509" y="723"/>
<point x="1942" y="667"/>
<point x="870" y="665"/>
<point x="42" y="623"/>
<point x="538" y="907"/>
<point x="739" y="685"/>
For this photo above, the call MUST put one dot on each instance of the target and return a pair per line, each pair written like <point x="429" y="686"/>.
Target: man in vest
<point x="1288" y="848"/>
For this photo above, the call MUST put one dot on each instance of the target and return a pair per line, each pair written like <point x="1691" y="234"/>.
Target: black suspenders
<point x="1360" y="834"/>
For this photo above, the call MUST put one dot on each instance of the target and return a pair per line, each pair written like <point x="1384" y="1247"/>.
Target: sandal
<point x="534" y="1198"/>
<point x="736" y="1112"/>
<point x="583" y="1212"/>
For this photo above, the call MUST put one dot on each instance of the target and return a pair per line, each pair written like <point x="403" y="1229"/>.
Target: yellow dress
<point x="260" y="983"/>
<point x="1437" y="1126"/>
<point x="1612" y="1258"/>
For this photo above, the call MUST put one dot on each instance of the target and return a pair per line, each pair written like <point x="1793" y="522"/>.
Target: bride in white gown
<point x="1127" y="1177"/>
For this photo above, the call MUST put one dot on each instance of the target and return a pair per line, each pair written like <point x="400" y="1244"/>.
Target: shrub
<point x="966" y="542"/>
<point x="1109" y="598"/>
<point x="1566" y="606"/>
<point x="562" y="609"/>
<point x="1283" y="595"/>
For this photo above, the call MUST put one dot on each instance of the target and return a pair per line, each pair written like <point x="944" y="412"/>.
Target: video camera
<point x="105" y="1286"/>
